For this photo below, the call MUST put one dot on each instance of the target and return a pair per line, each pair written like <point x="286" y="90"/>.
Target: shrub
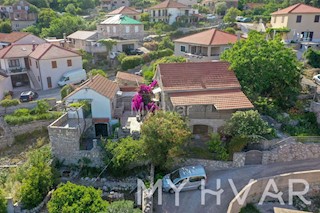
<point x="246" y="123"/>
<point x="70" y="197"/>
<point x="230" y="30"/>
<point x="94" y="72"/>
<point x="237" y="144"/>
<point x="121" y="56"/>
<point x="165" y="52"/>
<point x="66" y="90"/>
<point x="166" y="43"/>
<point x="215" y="146"/>
<point x="130" y="62"/>
<point x="21" y="112"/>
<point x="249" y="208"/>
<point x="9" y="102"/>
<point x="122" y="206"/>
<point x="152" y="46"/>
<point x="313" y="57"/>
<point x="42" y="107"/>
<point x="3" y="202"/>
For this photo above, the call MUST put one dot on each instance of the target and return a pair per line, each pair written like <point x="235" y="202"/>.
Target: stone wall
<point x="65" y="142"/>
<point x="291" y="151"/>
<point x="257" y="187"/>
<point x="28" y="105"/>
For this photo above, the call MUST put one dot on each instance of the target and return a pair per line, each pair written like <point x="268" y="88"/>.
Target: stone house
<point x="7" y="39"/>
<point x="204" y="46"/>
<point x="22" y="15"/>
<point x="302" y="20"/>
<point x="205" y="92"/>
<point x="38" y="66"/>
<point x="113" y="4"/>
<point x="102" y="95"/>
<point x="126" y="11"/>
<point x="170" y="11"/>
<point x="120" y="26"/>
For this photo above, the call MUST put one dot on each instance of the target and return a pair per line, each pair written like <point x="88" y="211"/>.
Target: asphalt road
<point x="190" y="201"/>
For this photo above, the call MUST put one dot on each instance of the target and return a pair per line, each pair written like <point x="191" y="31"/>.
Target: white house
<point x="5" y="85"/>
<point x="48" y="62"/>
<point x="102" y="95"/>
<point x="171" y="11"/>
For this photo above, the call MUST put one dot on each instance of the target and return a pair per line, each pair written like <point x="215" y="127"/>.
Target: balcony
<point x="17" y="70"/>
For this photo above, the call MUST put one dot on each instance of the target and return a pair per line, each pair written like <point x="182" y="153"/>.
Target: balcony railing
<point x="17" y="70"/>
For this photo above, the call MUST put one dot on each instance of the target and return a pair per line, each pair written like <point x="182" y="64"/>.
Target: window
<point x="316" y="18"/>
<point x="159" y="13"/>
<point x="183" y="49"/>
<point x="127" y="29"/>
<point x="196" y="179"/>
<point x="14" y="63"/>
<point x="54" y="64"/>
<point x="299" y="19"/>
<point x="30" y="63"/>
<point x="114" y="29"/>
<point x="282" y="19"/>
<point x="37" y="65"/>
<point x="136" y="29"/>
<point x="154" y="13"/>
<point x="275" y="19"/>
<point x="181" y="181"/>
<point x="69" y="62"/>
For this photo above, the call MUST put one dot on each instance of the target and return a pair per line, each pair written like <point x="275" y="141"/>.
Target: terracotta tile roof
<point x="221" y="99"/>
<point x="16" y="51"/>
<point x="12" y="37"/>
<point x="101" y="85"/>
<point x="197" y="76"/>
<point x="51" y="51"/>
<point x="297" y="8"/>
<point x="125" y="11"/>
<point x="209" y="37"/>
<point x="130" y="77"/>
<point x="168" y="4"/>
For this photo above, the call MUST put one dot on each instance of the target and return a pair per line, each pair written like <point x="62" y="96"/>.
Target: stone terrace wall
<point x="258" y="186"/>
<point x="291" y="151"/>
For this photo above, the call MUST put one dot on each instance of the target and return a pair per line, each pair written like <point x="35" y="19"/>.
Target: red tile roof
<point x="125" y="11"/>
<point x="16" y="51"/>
<point x="101" y="85"/>
<point x="197" y="76"/>
<point x="168" y="4"/>
<point x="221" y="99"/>
<point x="297" y="8"/>
<point x="130" y="77"/>
<point x="209" y="37"/>
<point x="12" y="37"/>
<point x="51" y="51"/>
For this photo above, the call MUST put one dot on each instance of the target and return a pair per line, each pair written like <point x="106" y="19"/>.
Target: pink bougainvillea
<point x="142" y="100"/>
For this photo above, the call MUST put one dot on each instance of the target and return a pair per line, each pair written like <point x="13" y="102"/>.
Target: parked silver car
<point x="191" y="176"/>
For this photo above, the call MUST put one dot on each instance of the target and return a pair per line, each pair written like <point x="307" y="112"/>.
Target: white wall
<point x="55" y="74"/>
<point x="100" y="105"/>
<point x="5" y="86"/>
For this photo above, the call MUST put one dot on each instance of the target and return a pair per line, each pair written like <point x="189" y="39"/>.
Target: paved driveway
<point x="51" y="93"/>
<point x="190" y="201"/>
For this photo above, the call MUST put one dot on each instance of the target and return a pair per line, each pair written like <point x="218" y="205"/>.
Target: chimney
<point x="34" y="45"/>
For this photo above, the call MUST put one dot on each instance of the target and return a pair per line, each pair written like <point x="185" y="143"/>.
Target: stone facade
<point x="124" y="31"/>
<point x="291" y="151"/>
<point x="65" y="135"/>
<point x="238" y="161"/>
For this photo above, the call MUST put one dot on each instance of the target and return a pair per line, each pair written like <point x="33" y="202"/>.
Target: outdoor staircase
<point x="33" y="80"/>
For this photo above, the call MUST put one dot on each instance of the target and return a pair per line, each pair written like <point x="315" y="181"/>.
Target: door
<point x="26" y="62"/>
<point x="101" y="130"/>
<point x="49" y="82"/>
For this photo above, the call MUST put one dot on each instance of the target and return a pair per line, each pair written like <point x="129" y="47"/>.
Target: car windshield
<point x="174" y="175"/>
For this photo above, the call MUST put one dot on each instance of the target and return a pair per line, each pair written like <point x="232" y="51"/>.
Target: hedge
<point x="22" y="119"/>
<point x="130" y="62"/>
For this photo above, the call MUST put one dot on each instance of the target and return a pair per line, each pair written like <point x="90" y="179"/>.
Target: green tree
<point x="231" y="15"/>
<point x="38" y="179"/>
<point x="94" y="72"/>
<point x="69" y="198"/>
<point x="42" y="107"/>
<point x="64" y="24"/>
<point x="221" y="7"/>
<point x="108" y="43"/>
<point x="40" y="3"/>
<point x="66" y="90"/>
<point x="215" y="146"/>
<point x="5" y="26"/>
<point x="313" y="57"/>
<point x="45" y="17"/>
<point x="3" y="202"/>
<point x="34" y="29"/>
<point x="230" y="30"/>
<point x="70" y="8"/>
<point x="246" y="123"/>
<point x="166" y="43"/>
<point x="265" y="68"/>
<point x="163" y="135"/>
<point x="145" y="17"/>
<point x="123" y="206"/>
<point x="201" y="9"/>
